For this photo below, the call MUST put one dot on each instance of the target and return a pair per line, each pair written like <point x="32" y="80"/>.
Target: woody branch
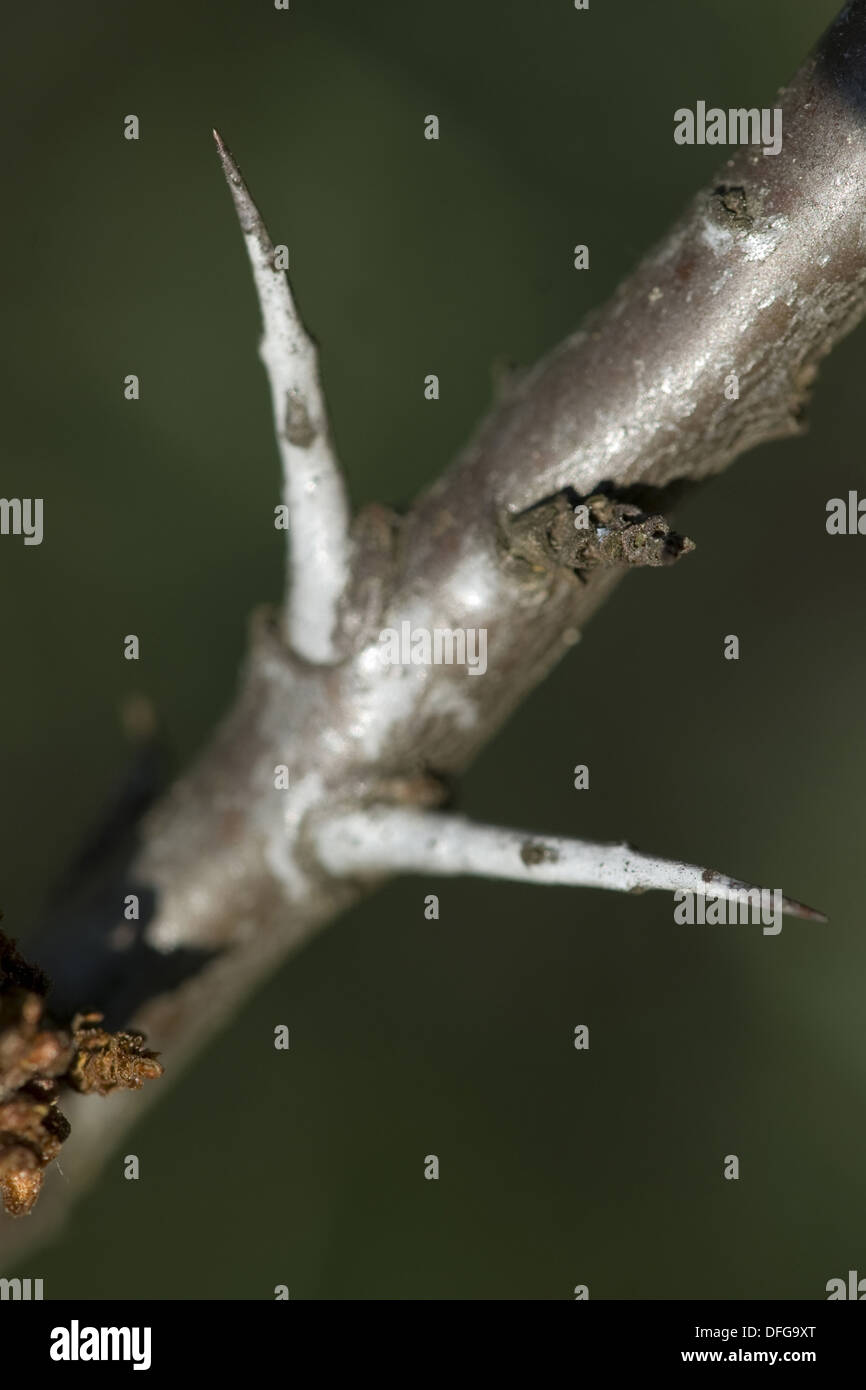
<point x="763" y="274"/>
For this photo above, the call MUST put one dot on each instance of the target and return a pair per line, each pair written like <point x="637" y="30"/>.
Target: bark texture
<point x="764" y="273"/>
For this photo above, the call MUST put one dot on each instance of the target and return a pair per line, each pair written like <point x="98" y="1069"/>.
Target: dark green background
<point x="454" y="1037"/>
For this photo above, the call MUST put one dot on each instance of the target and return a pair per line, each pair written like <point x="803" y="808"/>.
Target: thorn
<point x="790" y="906"/>
<point x="313" y="486"/>
<point x="795" y="909"/>
<point x="387" y="839"/>
<point x="248" y="213"/>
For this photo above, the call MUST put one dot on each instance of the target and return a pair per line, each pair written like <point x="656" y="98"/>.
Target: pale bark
<point x="765" y="272"/>
<point x="313" y="491"/>
<point x="386" y="840"/>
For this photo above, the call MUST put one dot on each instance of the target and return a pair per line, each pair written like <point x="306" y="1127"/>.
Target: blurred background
<point x="453" y="1037"/>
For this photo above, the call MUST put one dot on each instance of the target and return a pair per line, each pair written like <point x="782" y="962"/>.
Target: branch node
<point x="583" y="534"/>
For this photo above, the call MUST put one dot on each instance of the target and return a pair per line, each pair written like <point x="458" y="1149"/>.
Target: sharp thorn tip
<point x="795" y="909"/>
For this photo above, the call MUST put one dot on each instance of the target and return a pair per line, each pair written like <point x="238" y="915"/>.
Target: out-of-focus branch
<point x="764" y="274"/>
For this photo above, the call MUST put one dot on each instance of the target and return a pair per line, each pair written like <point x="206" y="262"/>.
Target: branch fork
<point x="763" y="274"/>
<point x="602" y="531"/>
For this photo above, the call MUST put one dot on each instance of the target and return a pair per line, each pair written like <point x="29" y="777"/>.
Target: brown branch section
<point x="766" y="271"/>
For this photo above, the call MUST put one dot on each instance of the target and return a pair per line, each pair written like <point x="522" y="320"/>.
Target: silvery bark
<point x="764" y="273"/>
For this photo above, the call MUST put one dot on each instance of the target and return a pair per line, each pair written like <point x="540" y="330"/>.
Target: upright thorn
<point x="313" y="490"/>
